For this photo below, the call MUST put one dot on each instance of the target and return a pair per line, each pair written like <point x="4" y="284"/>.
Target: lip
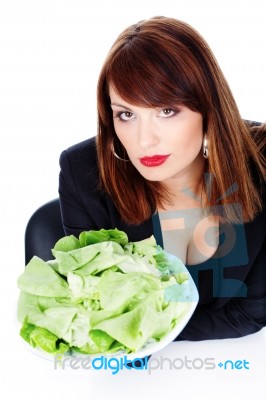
<point x="154" y="161"/>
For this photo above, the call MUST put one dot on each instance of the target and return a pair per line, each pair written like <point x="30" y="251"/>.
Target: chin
<point x="154" y="176"/>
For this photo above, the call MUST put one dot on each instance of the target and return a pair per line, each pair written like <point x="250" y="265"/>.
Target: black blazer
<point x="232" y="287"/>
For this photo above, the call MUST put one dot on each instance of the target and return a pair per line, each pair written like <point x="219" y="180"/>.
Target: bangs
<point x="144" y="75"/>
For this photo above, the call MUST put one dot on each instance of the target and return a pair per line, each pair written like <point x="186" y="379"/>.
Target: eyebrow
<point x="121" y="105"/>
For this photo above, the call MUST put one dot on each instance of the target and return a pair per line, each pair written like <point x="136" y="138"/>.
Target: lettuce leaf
<point x="103" y="235"/>
<point x="101" y="294"/>
<point x="39" y="278"/>
<point x="43" y="339"/>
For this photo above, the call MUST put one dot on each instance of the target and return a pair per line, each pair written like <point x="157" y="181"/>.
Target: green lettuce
<point x="101" y="294"/>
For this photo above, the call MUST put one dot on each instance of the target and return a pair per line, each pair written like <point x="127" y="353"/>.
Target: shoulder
<point x="80" y="159"/>
<point x="78" y="164"/>
<point x="258" y="133"/>
<point x="82" y="151"/>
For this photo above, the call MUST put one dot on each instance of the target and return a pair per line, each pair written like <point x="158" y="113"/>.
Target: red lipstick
<point x="153" y="161"/>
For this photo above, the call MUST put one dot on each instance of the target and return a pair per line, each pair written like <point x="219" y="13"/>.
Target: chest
<point x="189" y="234"/>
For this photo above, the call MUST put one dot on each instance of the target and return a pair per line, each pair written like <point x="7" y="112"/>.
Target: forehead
<point x="116" y="97"/>
<point x="117" y="100"/>
<point x="114" y="94"/>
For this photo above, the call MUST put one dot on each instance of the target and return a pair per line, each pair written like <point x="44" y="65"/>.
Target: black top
<point x="232" y="284"/>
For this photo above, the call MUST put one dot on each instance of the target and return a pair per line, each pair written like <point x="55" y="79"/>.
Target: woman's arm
<point x="239" y="316"/>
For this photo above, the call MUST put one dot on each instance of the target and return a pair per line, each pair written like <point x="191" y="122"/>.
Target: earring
<point x="205" y="149"/>
<point x="116" y="155"/>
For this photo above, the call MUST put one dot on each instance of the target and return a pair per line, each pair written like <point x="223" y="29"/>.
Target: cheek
<point x="128" y="140"/>
<point x="189" y="142"/>
<point x="121" y="134"/>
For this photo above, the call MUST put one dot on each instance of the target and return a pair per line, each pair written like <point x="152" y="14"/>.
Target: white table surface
<point x="25" y="375"/>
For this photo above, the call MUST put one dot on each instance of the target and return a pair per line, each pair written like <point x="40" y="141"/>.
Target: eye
<point x="124" y="115"/>
<point x="167" y="112"/>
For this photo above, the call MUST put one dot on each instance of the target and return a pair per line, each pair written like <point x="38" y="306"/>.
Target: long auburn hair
<point x="163" y="62"/>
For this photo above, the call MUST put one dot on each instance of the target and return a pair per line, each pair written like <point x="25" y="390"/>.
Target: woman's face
<point x="162" y="143"/>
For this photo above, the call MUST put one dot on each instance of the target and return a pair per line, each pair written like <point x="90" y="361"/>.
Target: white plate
<point x="151" y="346"/>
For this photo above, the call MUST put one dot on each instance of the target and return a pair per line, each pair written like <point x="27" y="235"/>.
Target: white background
<point x="51" y="52"/>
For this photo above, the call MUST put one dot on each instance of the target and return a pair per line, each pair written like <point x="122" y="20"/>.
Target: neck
<point x="185" y="188"/>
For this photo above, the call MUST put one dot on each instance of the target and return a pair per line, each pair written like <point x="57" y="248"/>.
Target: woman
<point x="174" y="159"/>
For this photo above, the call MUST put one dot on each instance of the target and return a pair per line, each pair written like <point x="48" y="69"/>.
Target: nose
<point x="148" y="136"/>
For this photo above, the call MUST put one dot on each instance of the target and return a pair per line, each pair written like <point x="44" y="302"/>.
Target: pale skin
<point x="175" y="131"/>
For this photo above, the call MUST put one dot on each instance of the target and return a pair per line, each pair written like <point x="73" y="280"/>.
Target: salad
<point x="101" y="294"/>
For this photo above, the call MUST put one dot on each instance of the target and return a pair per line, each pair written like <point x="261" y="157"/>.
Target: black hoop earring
<point x="116" y="155"/>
